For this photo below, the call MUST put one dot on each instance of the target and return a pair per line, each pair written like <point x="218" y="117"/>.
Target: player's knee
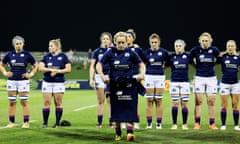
<point x="235" y="106"/>
<point x="24" y="103"/>
<point x="211" y="102"/>
<point x="198" y="102"/>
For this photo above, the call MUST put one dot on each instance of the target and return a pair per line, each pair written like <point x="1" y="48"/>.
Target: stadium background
<point x="79" y="23"/>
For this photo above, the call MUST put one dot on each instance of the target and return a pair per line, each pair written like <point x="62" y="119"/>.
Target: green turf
<point x="83" y="128"/>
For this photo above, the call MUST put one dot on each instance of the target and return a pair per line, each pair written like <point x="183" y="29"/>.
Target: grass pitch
<point x="80" y="109"/>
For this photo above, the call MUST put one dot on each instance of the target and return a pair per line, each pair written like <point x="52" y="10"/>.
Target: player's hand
<point x="8" y="74"/>
<point x="105" y="79"/>
<point x="27" y="75"/>
<point x="139" y="77"/>
<point x="53" y="73"/>
<point x="92" y="83"/>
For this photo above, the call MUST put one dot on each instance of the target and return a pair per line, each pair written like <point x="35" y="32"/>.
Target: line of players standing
<point x="203" y="57"/>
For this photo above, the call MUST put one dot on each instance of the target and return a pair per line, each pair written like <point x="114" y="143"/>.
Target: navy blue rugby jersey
<point x="18" y="63"/>
<point x="121" y="63"/>
<point x="205" y="60"/>
<point x="179" y="67"/>
<point x="139" y="51"/>
<point x="97" y="56"/>
<point x="155" y="61"/>
<point x="230" y="64"/>
<point x="56" y="62"/>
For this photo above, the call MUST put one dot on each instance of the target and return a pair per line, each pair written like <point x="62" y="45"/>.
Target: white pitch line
<point x="85" y="107"/>
<point x="17" y="124"/>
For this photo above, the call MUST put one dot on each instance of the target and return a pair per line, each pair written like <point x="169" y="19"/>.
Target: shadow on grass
<point x="145" y="136"/>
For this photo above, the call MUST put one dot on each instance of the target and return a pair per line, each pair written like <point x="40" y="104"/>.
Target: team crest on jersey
<point x="227" y="61"/>
<point x="13" y="55"/>
<point x="116" y="62"/>
<point x="151" y="60"/>
<point x="184" y="56"/>
<point x="175" y="62"/>
<point x="201" y="56"/>
<point x="21" y="55"/>
<point x="127" y="54"/>
<point x="210" y="51"/>
<point x="119" y="93"/>
<point x="59" y="58"/>
<point x="133" y="49"/>
<point x="100" y="56"/>
<point x="13" y="61"/>
<point x="50" y="58"/>
<point x="159" y="53"/>
<point x="235" y="57"/>
<point x="50" y="64"/>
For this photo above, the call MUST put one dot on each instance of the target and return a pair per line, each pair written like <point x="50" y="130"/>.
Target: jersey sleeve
<point x="31" y="59"/>
<point x="5" y="59"/>
<point x="106" y="57"/>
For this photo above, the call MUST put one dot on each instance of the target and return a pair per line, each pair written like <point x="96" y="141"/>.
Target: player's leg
<point x="47" y="90"/>
<point x="211" y="90"/>
<point x="58" y="93"/>
<point x="12" y="97"/>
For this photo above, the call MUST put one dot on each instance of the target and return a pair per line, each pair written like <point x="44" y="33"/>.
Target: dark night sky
<point x="79" y="23"/>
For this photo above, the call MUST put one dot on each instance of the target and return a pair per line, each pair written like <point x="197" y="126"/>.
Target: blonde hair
<point x="153" y="36"/>
<point x="234" y="42"/>
<point x="57" y="43"/>
<point x="119" y="34"/>
<point x="205" y="34"/>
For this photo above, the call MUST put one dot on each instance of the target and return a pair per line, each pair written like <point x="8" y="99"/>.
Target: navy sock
<point x="184" y="114"/>
<point x="58" y="115"/>
<point x="26" y="118"/>
<point x="235" y="117"/>
<point x="129" y="128"/>
<point x="118" y="131"/>
<point x="99" y="117"/>
<point x="149" y="120"/>
<point x="45" y="113"/>
<point x="211" y="121"/>
<point x="197" y="120"/>
<point x="223" y="116"/>
<point x="12" y="118"/>
<point x="174" y="114"/>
